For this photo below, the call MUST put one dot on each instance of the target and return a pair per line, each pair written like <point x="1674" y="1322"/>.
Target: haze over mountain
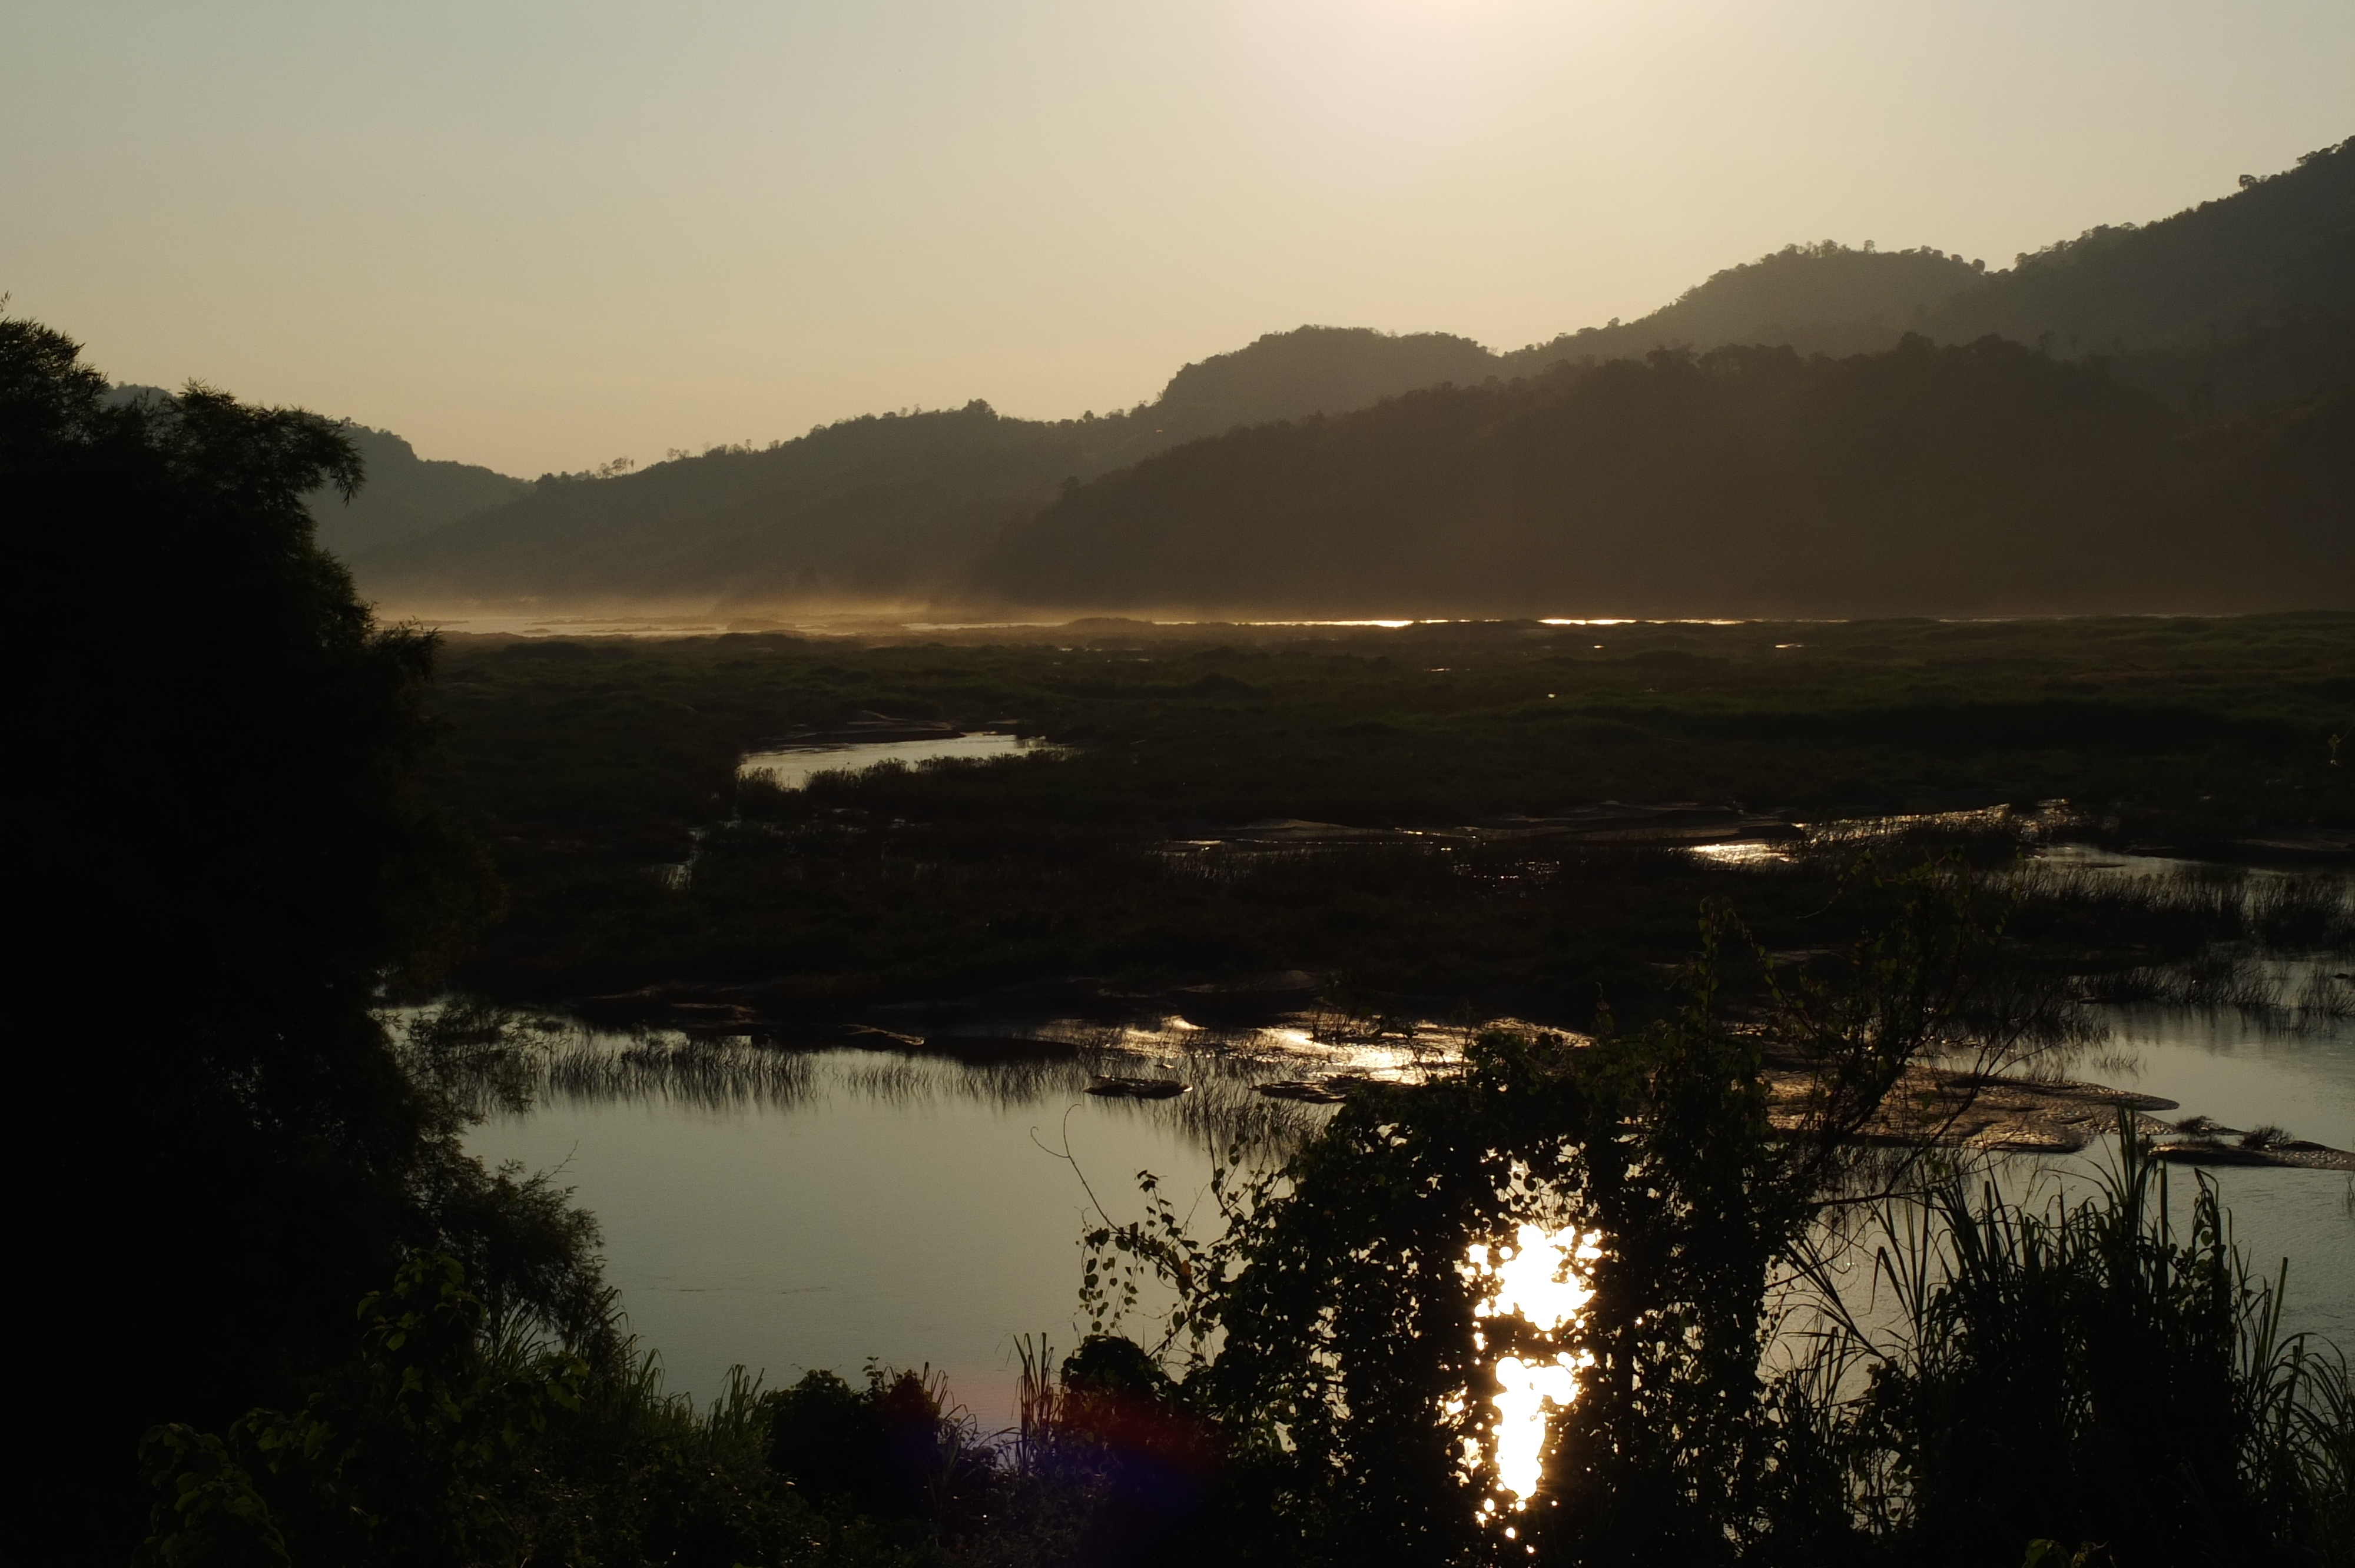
<point x="1926" y="480"/>
<point x="878" y="506"/>
<point x="2240" y="303"/>
<point x="1826" y="298"/>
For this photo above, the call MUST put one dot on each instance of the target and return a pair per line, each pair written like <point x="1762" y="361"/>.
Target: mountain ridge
<point x="1982" y="479"/>
<point x="893" y="508"/>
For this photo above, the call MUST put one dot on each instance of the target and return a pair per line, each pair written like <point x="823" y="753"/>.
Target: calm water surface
<point x="848" y="1225"/>
<point x="915" y="1209"/>
<point x="910" y="1209"/>
<point x="791" y="766"/>
<point x="2238" y="1072"/>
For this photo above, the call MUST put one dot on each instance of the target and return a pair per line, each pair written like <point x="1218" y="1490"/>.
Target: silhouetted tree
<point x="223" y="866"/>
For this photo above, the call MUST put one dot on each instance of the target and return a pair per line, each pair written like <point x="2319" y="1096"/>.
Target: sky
<point x="541" y="235"/>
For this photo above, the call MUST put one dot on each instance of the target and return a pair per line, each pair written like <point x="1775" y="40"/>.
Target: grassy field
<point x="585" y="764"/>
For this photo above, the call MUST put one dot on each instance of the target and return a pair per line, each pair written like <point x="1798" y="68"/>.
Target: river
<point x="905" y="1206"/>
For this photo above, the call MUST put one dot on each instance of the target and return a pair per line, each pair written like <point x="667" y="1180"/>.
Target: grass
<point x="585" y="764"/>
<point x="2088" y="1370"/>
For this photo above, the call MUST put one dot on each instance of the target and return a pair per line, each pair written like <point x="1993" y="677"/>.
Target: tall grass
<point x="712" y="1073"/>
<point x="492" y="1062"/>
<point x="2088" y="1372"/>
<point x="2274" y="911"/>
<point x="2271" y="945"/>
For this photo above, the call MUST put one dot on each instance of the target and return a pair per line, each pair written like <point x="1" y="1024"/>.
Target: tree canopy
<point x="232" y="867"/>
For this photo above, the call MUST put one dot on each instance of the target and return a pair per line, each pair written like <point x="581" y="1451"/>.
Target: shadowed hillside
<point x="877" y="508"/>
<point x="2230" y="305"/>
<point x="2240" y="305"/>
<point x="871" y="508"/>
<point x="2283" y="243"/>
<point x="1927" y="480"/>
<point x="894" y="508"/>
<point x="1311" y="370"/>
<point x="405" y="495"/>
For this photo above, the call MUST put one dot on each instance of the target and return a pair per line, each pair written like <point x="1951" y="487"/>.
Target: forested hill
<point x="2242" y="304"/>
<point x="2281" y="243"/>
<point x="897" y="506"/>
<point x="1984" y="479"/>
<point x="405" y="495"/>
<point x="873" y="508"/>
<point x="1312" y="370"/>
<point x="1826" y="297"/>
<point x="881" y="506"/>
<point x="2233" y="304"/>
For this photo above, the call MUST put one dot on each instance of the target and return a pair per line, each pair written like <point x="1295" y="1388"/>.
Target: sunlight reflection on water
<point x="1535" y="1279"/>
<point x="789" y="766"/>
<point x="813" y="1207"/>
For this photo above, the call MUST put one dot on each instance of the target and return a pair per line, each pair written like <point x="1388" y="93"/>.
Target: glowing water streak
<point x="1535" y="1279"/>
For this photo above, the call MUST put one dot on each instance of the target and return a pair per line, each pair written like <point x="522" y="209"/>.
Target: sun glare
<point x="1536" y="1280"/>
<point x="1372" y="91"/>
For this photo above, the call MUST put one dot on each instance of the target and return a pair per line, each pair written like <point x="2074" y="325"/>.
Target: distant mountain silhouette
<point x="879" y="507"/>
<point x="1312" y="370"/>
<point x="405" y="495"/>
<point x="873" y="508"/>
<point x="1818" y="298"/>
<point x="2239" y="304"/>
<point x="2230" y="305"/>
<point x="1986" y="479"/>
<point x="2283" y="243"/>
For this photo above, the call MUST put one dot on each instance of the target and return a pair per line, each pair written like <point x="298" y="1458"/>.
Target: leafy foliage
<point x="445" y="1438"/>
<point x="401" y="1460"/>
<point x="233" y="864"/>
<point x="2084" y="1377"/>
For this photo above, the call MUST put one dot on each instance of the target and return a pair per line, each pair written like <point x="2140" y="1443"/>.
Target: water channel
<point x="790" y="765"/>
<point x="917" y="1205"/>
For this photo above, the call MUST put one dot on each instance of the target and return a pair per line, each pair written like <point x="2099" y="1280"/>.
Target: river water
<point x="907" y="1207"/>
<point x="791" y="766"/>
<point x="917" y="1207"/>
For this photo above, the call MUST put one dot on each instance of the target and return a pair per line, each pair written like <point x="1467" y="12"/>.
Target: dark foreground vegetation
<point x="231" y="1150"/>
<point x="220" y="1151"/>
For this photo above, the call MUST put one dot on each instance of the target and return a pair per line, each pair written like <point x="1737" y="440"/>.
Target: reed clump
<point x="715" y="1073"/>
<point x="2104" y="1370"/>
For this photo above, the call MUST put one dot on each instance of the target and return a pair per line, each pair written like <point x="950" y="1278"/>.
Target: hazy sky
<point x="539" y="235"/>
